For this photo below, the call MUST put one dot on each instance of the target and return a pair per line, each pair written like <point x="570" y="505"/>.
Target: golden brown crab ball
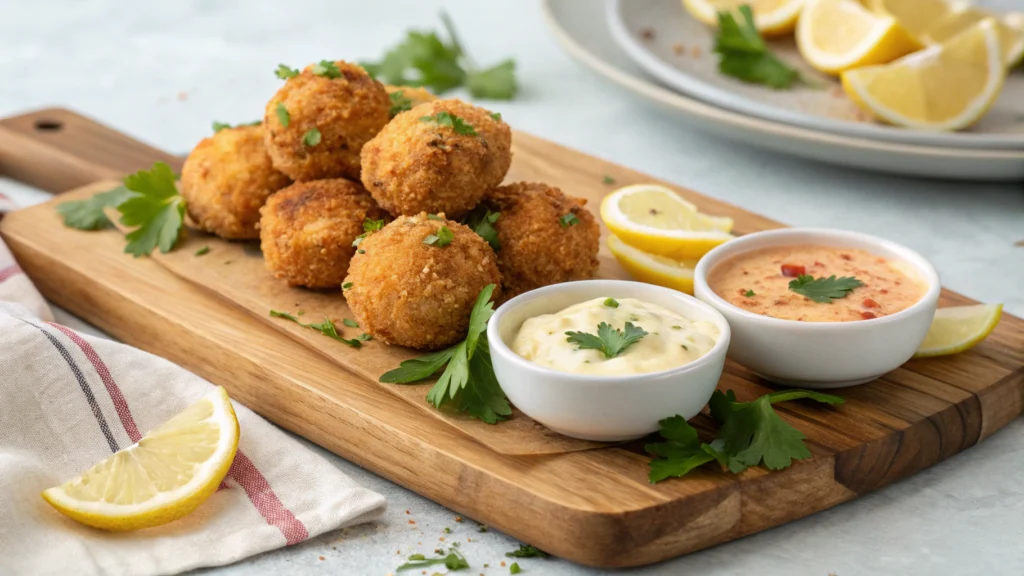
<point x="442" y="156"/>
<point x="407" y="97"/>
<point x="307" y="230"/>
<point x="546" y="237"/>
<point x="319" y="120"/>
<point x="225" y="181"/>
<point x="415" y="285"/>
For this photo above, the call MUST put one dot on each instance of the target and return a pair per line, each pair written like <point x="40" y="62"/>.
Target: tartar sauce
<point x="672" y="340"/>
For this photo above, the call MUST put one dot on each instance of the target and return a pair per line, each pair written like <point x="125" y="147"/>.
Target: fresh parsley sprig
<point x="441" y="238"/>
<point x="285" y="72"/>
<point x="326" y="68"/>
<point x="89" y="214"/>
<point x="156" y="210"/>
<point x="743" y="54"/>
<point x="399" y="103"/>
<point x="424" y="59"/>
<point x="569" y="219"/>
<point x="608" y="341"/>
<point x="327" y="328"/>
<point x="468" y="383"/>
<point x="453" y="561"/>
<point x="751" y="433"/>
<point x="481" y="220"/>
<point x="218" y="126"/>
<point x="824" y="290"/>
<point x="526" y="551"/>
<point x="452" y="121"/>
<point x="369" y="227"/>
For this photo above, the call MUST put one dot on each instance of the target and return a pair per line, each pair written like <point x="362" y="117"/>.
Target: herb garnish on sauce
<point x="609" y="341"/>
<point x="824" y="290"/>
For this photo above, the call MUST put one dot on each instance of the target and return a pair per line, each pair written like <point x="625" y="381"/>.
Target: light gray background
<point x="162" y="71"/>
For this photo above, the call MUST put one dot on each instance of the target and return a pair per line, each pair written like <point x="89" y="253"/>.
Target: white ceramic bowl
<point x="605" y="408"/>
<point x="822" y="354"/>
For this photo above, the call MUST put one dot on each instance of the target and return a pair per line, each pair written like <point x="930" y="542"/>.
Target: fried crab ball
<point x="417" y="280"/>
<point x="407" y="97"/>
<point x="546" y="237"/>
<point x="307" y="230"/>
<point x="442" y="156"/>
<point x="319" y="120"/>
<point x="227" y="179"/>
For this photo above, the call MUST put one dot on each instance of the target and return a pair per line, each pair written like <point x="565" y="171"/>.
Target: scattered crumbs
<point x="458" y="519"/>
<point x="695" y="51"/>
<point x="412" y="521"/>
<point x="441" y="538"/>
<point x="182" y="96"/>
<point x="646" y="34"/>
<point x="502" y="562"/>
<point x="227" y="261"/>
<point x="678" y="49"/>
<point x="407" y="511"/>
<point x="1019" y="243"/>
<point x="438" y="551"/>
<point x="836" y="92"/>
<point x="469" y="539"/>
<point x="322" y="558"/>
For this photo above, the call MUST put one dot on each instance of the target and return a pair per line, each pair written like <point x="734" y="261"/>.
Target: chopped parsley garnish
<point x="677" y="327"/>
<point x="609" y="341"/>
<point x="452" y="561"/>
<point x="203" y="250"/>
<point x="327" y="328"/>
<point x="514" y="568"/>
<point x="346" y="285"/>
<point x="569" y="219"/>
<point x="350" y="323"/>
<point x="282" y="114"/>
<point x="457" y="124"/>
<point x="89" y="214"/>
<point x="743" y="54"/>
<point x="399" y="103"/>
<point x="434" y="217"/>
<point x="425" y="59"/>
<point x="608" y="180"/>
<point x="369" y="227"/>
<point x="611" y="302"/>
<point x="824" y="290"/>
<point x="468" y="383"/>
<point x="526" y="551"/>
<point x="326" y="68"/>
<point x="311" y="137"/>
<point x="751" y="433"/>
<point x="443" y="237"/>
<point x="361" y="251"/>
<point x="284" y="72"/>
<point x="481" y="220"/>
<point x="749" y="293"/>
<point x="496" y="116"/>
<point x="218" y="126"/>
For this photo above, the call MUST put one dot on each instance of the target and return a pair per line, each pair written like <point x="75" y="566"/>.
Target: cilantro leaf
<point x="569" y="219"/>
<point x="282" y="114"/>
<point x="743" y="54"/>
<point x="457" y="124"/>
<point x="496" y="83"/>
<point x="481" y="220"/>
<point x="399" y="103"/>
<point x="326" y="68"/>
<point x="157" y="210"/>
<point x="526" y="551"/>
<point x="89" y="214"/>
<point x="327" y="328"/>
<point x="284" y="72"/>
<point x="442" y="238"/>
<point x="608" y="341"/>
<point x="824" y="290"/>
<point x="311" y="137"/>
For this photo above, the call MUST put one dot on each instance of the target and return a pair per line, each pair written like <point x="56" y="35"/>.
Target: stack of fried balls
<point x="384" y="191"/>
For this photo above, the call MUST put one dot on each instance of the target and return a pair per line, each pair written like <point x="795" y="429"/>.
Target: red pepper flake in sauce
<point x="647" y="34"/>
<point x="883" y="291"/>
<point x="818" y="264"/>
<point x="867" y="315"/>
<point x="869" y="303"/>
<point x="846" y="257"/>
<point x="793" y="270"/>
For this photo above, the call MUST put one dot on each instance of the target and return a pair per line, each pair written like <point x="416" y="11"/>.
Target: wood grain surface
<point x="592" y="506"/>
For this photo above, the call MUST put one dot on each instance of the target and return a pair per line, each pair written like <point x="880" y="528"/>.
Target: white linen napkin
<point x="69" y="400"/>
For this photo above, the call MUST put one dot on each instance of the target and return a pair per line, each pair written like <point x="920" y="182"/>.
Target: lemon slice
<point x="164" y="476"/>
<point x="771" y="17"/>
<point x="959" y="328"/>
<point x="652" y="268"/>
<point x="944" y="87"/>
<point x="836" y="35"/>
<point x="656" y="220"/>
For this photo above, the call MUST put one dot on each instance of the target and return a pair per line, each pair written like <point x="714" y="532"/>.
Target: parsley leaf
<point x="496" y="83"/>
<point x="284" y="72"/>
<point x="611" y="302"/>
<point x="607" y="180"/>
<point x="218" y="126"/>
<point x="749" y="293"/>
<point x="468" y="381"/>
<point x="311" y="137"/>
<point x="526" y="551"/>
<point x="744" y="54"/>
<point x="481" y="220"/>
<point x="443" y="237"/>
<point x="350" y="323"/>
<point x="682" y="452"/>
<point x="327" y="328"/>
<point x="514" y="568"/>
<point x="457" y="124"/>
<point x="157" y="210"/>
<point x="496" y="116"/>
<point x="569" y="219"/>
<point x="453" y="561"/>
<point x="824" y="290"/>
<point x="282" y="114"/>
<point x="326" y="68"/>
<point x="346" y="286"/>
<point x="203" y="251"/>
<point x="608" y="341"/>
<point x="399" y="103"/>
<point x="89" y="214"/>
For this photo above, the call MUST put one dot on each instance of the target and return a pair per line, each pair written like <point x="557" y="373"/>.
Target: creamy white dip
<point x="672" y="340"/>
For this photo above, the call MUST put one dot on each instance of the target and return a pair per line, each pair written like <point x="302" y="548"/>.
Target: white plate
<point x="653" y="31"/>
<point x="581" y="28"/>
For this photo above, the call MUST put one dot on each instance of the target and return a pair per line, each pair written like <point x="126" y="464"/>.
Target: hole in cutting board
<point x="45" y="125"/>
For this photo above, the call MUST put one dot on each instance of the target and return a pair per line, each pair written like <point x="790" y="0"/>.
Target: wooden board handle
<point x="57" y="150"/>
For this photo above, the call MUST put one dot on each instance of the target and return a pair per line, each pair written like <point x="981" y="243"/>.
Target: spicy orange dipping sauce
<point x="758" y="281"/>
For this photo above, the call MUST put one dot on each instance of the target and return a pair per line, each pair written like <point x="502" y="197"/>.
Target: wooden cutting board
<point x="591" y="506"/>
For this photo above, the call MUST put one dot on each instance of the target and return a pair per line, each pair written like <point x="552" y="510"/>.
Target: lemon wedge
<point x="655" y="219"/>
<point x="936" y="21"/>
<point x="959" y="328"/>
<point x="943" y="87"/>
<point x="164" y="476"/>
<point x="653" y="269"/>
<point x="771" y="17"/>
<point x="836" y="35"/>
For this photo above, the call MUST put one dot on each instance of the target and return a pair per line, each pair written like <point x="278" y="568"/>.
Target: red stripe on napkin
<point x="11" y="270"/>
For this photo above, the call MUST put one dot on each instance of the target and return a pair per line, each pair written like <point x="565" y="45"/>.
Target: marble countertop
<point x="162" y="71"/>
